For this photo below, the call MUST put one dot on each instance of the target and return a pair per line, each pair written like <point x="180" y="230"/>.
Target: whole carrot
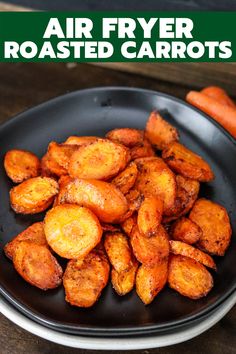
<point x="223" y="114"/>
<point x="219" y="95"/>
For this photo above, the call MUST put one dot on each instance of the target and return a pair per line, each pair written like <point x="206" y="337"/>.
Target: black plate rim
<point x="119" y="331"/>
<point x="107" y="331"/>
<point x="115" y="88"/>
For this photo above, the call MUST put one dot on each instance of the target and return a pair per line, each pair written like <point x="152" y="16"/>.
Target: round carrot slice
<point x="33" y="195"/>
<point x="61" y="196"/>
<point x="189" y="277"/>
<point x="72" y="231"/>
<point x="101" y="160"/>
<point x="123" y="282"/>
<point x="186" y="230"/>
<point x="187" y="163"/>
<point x="36" y="265"/>
<point x="34" y="233"/>
<point x="145" y="149"/>
<point x="155" y="178"/>
<point x="150" y="280"/>
<point x="126" y="136"/>
<point x="186" y="195"/>
<point x="126" y="179"/>
<point x="118" y="250"/>
<point x="80" y="140"/>
<point x="61" y="153"/>
<point x="50" y="168"/>
<point x="103" y="198"/>
<point x="159" y="132"/>
<point x="179" y="247"/>
<point x="85" y="279"/>
<point x="214" y="221"/>
<point x="150" y="250"/>
<point x="21" y="165"/>
<point x="128" y="225"/>
<point x="150" y="215"/>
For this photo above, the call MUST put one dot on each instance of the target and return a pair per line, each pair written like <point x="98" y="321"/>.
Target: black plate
<point x="94" y="112"/>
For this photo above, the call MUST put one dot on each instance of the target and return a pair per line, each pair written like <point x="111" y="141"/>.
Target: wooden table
<point x="25" y="85"/>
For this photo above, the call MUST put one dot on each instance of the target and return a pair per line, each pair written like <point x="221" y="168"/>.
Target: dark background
<point x="133" y="5"/>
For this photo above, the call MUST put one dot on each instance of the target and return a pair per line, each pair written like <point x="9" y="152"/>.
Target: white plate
<point x="141" y="342"/>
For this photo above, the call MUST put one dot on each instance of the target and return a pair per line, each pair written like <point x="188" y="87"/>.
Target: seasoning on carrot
<point x="224" y="115"/>
<point x="219" y="95"/>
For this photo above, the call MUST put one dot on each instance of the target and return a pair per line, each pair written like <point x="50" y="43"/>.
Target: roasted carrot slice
<point x="103" y="198"/>
<point x="126" y="179"/>
<point x="21" y="165"/>
<point x="150" y="250"/>
<point x="223" y="114"/>
<point x="64" y="180"/>
<point x="118" y="250"/>
<point x="50" y="168"/>
<point x="150" y="280"/>
<point x="179" y="247"/>
<point x="187" y="163"/>
<point x="85" y="279"/>
<point x="61" y="153"/>
<point x="34" y="233"/>
<point x="123" y="282"/>
<point x="101" y="160"/>
<point x="72" y="231"/>
<point x="150" y="215"/>
<point x="219" y="95"/>
<point x="186" y="230"/>
<point x="159" y="132"/>
<point x="135" y="199"/>
<point x="189" y="277"/>
<point x="155" y="178"/>
<point x="80" y="140"/>
<point x="186" y="195"/>
<point x="128" y="224"/>
<point x="33" y="195"/>
<point x="36" y="265"/>
<point x="126" y="136"/>
<point x="142" y="150"/>
<point x="61" y="196"/>
<point x="214" y="221"/>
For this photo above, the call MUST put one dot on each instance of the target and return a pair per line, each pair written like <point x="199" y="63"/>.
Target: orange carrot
<point x="219" y="95"/>
<point x="224" y="115"/>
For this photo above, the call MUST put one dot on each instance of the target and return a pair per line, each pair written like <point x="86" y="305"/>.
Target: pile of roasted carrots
<point x="125" y="207"/>
<point x="217" y="104"/>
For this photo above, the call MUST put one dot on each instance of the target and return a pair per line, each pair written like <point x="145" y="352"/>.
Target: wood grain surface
<point x="25" y="85"/>
<point x="196" y="75"/>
